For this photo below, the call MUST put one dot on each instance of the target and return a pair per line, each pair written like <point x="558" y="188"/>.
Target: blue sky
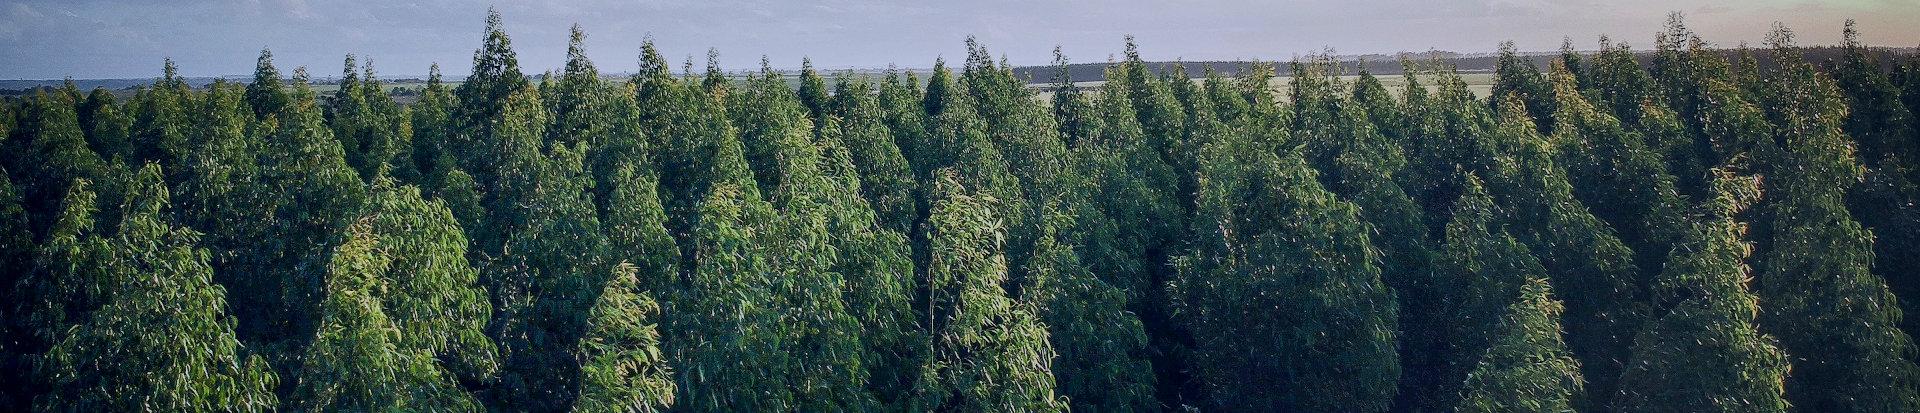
<point x="46" y="39"/>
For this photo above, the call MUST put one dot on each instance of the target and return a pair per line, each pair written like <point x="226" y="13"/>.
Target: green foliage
<point x="432" y="295"/>
<point x="1835" y="318"/>
<point x="815" y="319"/>
<point x="622" y="367"/>
<point x="1615" y="173"/>
<point x="813" y="91"/>
<point x="16" y="260"/>
<point x="1516" y="77"/>
<point x="987" y="352"/>
<point x="1102" y="363"/>
<point x="886" y="180"/>
<point x="53" y="154"/>
<point x="1704" y="352"/>
<point x="1584" y="260"/>
<point x="725" y="328"/>
<point x="1282" y="291"/>
<point x="379" y="133"/>
<point x="1887" y="145"/>
<point x="361" y="359"/>
<point x="1528" y="368"/>
<point x="1486" y="269"/>
<point x="108" y="126"/>
<point x="636" y="229"/>
<point x="151" y="333"/>
<point x="878" y="270"/>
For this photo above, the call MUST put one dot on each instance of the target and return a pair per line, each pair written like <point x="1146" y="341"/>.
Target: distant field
<point x="1481" y="84"/>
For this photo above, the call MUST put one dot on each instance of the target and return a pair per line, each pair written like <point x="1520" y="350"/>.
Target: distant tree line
<point x="1613" y="233"/>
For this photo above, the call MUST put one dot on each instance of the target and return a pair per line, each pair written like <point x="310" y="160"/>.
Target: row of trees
<point x="1691" y="234"/>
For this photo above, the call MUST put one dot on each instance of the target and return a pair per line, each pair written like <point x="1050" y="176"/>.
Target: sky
<point x="90" y="39"/>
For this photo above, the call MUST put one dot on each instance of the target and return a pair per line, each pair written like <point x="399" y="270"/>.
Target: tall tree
<point x="813" y="91"/>
<point x="1516" y="76"/>
<point x="987" y="352"/>
<point x="1704" y="351"/>
<point x="1528" y="368"/>
<point x="152" y="279"/>
<point x="1102" y="362"/>
<point x="321" y="192"/>
<point x="53" y="155"/>
<point x="1278" y="259"/>
<point x="16" y="259"/>
<point x="373" y="129"/>
<point x="1888" y="146"/>
<point x="108" y="125"/>
<point x="622" y="366"/>
<point x="1615" y="172"/>
<point x="886" y="180"/>
<point x="877" y="264"/>
<point x="1585" y="261"/>
<point x="1481" y="271"/>
<point x="360" y="359"/>
<point x="1836" y="319"/>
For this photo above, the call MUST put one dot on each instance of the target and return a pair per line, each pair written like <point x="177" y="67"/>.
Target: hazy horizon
<point x="105" y="39"/>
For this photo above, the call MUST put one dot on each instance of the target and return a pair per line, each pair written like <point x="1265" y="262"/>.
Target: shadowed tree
<point x="1516" y="76"/>
<point x="885" y="178"/>
<point x="1615" y="173"/>
<point x="1102" y="363"/>
<point x="1836" y="320"/>
<point x="16" y="260"/>
<point x="1279" y="259"/>
<point x="1886" y="200"/>
<point x="1480" y="271"/>
<point x="1528" y="368"/>
<point x="1704" y="352"/>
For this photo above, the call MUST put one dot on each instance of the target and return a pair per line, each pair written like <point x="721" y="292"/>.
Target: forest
<point x="1697" y="232"/>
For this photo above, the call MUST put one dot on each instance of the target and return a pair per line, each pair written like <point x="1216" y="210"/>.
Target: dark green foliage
<point x="1102" y="363"/>
<point x="886" y="180"/>
<point x="1482" y="269"/>
<point x="1516" y="77"/>
<point x="1704" y="352"/>
<point x="372" y="129"/>
<point x="1357" y="163"/>
<point x="622" y="367"/>
<point x="1584" y="260"/>
<point x="1888" y="146"/>
<point x="813" y="91"/>
<point x="987" y="352"/>
<point x="108" y="126"/>
<point x="725" y="329"/>
<point x="16" y="260"/>
<point x="147" y="330"/>
<point x="1835" y="319"/>
<point x="1528" y="368"/>
<point x="542" y="252"/>
<point x="321" y="193"/>
<point x="876" y="263"/>
<point x="1280" y="260"/>
<point x="433" y="151"/>
<point x="53" y="153"/>
<point x="1614" y="172"/>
